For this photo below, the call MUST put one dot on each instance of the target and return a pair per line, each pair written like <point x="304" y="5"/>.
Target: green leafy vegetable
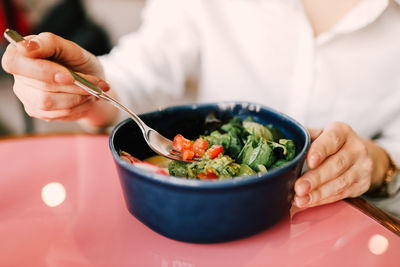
<point x="290" y="147"/>
<point x="276" y="133"/>
<point x="248" y="147"/>
<point x="257" y="129"/>
<point x="256" y="151"/>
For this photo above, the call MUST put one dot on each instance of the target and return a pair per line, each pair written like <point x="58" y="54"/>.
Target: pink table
<point x="92" y="227"/>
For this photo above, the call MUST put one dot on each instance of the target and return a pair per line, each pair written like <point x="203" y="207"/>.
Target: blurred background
<point x="96" y="25"/>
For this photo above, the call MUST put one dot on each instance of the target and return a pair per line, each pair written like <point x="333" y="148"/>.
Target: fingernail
<point x="302" y="201"/>
<point x="103" y="86"/>
<point x="31" y="45"/>
<point x="314" y="160"/>
<point x="63" y="78"/>
<point x="303" y="187"/>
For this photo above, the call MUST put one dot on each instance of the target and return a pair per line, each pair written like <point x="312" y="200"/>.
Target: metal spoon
<point x="158" y="143"/>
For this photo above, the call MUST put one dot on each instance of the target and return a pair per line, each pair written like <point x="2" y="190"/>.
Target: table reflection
<point x="53" y="194"/>
<point x="378" y="244"/>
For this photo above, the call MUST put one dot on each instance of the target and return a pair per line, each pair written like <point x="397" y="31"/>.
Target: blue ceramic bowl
<point x="206" y="211"/>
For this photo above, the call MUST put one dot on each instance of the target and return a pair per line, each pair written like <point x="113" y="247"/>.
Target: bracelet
<point x="391" y="171"/>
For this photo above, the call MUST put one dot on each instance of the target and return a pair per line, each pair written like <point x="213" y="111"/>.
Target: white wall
<point x="118" y="17"/>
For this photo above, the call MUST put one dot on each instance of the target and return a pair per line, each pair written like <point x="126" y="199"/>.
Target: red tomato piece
<point x="187" y="154"/>
<point x="207" y="175"/>
<point x="198" y="152"/>
<point x="214" y="151"/>
<point x="180" y="143"/>
<point x="199" y="147"/>
<point x="201" y="143"/>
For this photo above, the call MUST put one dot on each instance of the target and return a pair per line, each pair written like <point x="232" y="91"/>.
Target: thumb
<point x="58" y="49"/>
<point x="314" y="133"/>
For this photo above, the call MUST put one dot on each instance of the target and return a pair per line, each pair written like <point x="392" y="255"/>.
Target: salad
<point x="236" y="148"/>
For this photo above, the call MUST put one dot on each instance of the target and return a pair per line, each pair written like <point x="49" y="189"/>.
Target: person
<point x="331" y="64"/>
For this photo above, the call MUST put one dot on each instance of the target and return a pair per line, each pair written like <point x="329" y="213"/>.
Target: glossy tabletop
<point x="62" y="205"/>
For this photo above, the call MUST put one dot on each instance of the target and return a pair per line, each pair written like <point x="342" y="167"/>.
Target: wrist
<point x="384" y="171"/>
<point x="384" y="189"/>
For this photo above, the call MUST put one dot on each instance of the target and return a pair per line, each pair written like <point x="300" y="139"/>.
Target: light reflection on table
<point x="62" y="205"/>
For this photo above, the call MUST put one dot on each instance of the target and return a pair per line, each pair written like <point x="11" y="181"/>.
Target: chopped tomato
<point x="187" y="154"/>
<point x="214" y="151"/>
<point x="181" y="143"/>
<point x="198" y="152"/>
<point x="207" y="175"/>
<point x="199" y="147"/>
<point x="201" y="143"/>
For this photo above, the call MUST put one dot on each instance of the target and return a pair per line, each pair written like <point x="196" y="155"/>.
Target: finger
<point x="39" y="69"/>
<point x="103" y="85"/>
<point x="336" y="187"/>
<point x="48" y="45"/>
<point x="354" y="190"/>
<point x="330" y="169"/>
<point x="314" y="133"/>
<point x="60" y="88"/>
<point x="44" y="70"/>
<point x="333" y="187"/>
<point x="47" y="101"/>
<point x="72" y="114"/>
<point x="329" y="142"/>
<point x="328" y="200"/>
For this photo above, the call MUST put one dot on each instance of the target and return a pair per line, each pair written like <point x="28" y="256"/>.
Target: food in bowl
<point x="206" y="211"/>
<point x="145" y="165"/>
<point x="237" y="148"/>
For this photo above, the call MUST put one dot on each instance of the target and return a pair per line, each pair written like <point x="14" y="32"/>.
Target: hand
<point x="341" y="165"/>
<point x="46" y="88"/>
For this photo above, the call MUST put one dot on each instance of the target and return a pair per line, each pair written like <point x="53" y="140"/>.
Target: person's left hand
<point x="340" y="165"/>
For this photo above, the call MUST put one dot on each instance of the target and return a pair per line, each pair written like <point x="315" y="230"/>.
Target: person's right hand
<point x="45" y="87"/>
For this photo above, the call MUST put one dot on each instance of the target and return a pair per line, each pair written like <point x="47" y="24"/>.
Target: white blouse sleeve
<point x="149" y="68"/>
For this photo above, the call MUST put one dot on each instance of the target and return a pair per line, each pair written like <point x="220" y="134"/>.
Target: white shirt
<point x="264" y="51"/>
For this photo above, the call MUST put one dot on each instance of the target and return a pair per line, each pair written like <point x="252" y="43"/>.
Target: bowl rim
<point x="194" y="183"/>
